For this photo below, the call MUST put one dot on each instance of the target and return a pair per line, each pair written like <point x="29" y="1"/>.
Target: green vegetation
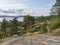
<point x="30" y="24"/>
<point x="55" y="23"/>
<point x="43" y="28"/>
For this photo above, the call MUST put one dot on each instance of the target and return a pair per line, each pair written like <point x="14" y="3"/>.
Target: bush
<point x="1" y="34"/>
<point x="8" y="32"/>
<point x="43" y="29"/>
<point x="34" y="29"/>
<point x="55" y="23"/>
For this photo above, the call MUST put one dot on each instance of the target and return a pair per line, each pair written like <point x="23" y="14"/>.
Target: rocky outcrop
<point x="34" y="40"/>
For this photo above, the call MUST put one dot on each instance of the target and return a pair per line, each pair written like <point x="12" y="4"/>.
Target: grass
<point x="3" y="40"/>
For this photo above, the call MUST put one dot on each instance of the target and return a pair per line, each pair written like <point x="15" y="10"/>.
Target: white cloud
<point x="14" y="5"/>
<point x="11" y="1"/>
<point x="15" y="11"/>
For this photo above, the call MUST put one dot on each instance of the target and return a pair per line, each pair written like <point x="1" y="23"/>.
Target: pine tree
<point x="56" y="8"/>
<point x="14" y="28"/>
<point x="4" y="25"/>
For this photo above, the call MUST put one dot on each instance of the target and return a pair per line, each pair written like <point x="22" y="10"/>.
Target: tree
<point x="55" y="23"/>
<point x="40" y="19"/>
<point x="14" y="22"/>
<point x="28" y="21"/>
<point x="4" y="25"/>
<point x="21" y="24"/>
<point x="14" y="28"/>
<point x="56" y="8"/>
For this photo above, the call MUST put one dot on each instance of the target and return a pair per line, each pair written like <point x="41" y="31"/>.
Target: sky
<point x="24" y="7"/>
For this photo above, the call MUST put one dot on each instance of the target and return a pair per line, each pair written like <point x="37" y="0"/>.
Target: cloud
<point x="16" y="8"/>
<point x="12" y="12"/>
<point x="15" y="12"/>
<point x="13" y="6"/>
<point x="13" y="9"/>
<point x="11" y="1"/>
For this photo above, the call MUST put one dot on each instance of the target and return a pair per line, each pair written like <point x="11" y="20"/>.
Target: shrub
<point x="43" y="29"/>
<point x="1" y="34"/>
<point x="55" y="23"/>
<point x="8" y="32"/>
<point x="34" y="29"/>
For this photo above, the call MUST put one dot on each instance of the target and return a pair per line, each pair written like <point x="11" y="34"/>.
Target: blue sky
<point x="38" y="7"/>
<point x="41" y="6"/>
<point x="24" y="7"/>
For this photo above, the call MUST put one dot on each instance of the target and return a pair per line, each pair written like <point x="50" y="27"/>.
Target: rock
<point x="34" y="40"/>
